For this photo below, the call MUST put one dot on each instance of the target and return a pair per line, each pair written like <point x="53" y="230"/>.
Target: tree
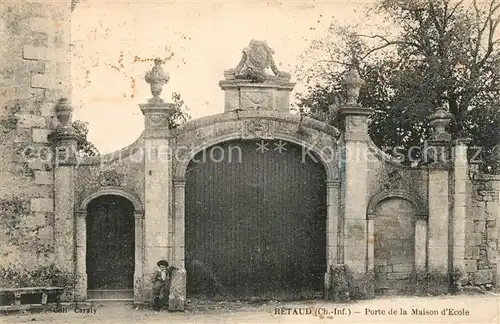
<point x="180" y="115"/>
<point x="437" y="53"/>
<point x="83" y="145"/>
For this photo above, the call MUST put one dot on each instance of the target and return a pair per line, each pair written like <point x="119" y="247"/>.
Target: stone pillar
<point x="178" y="283"/>
<point x="139" y="255"/>
<point x="80" y="256"/>
<point x="437" y="156"/>
<point x="421" y="243"/>
<point x="179" y="229"/>
<point x="460" y="204"/>
<point x="158" y="177"/>
<point x="63" y="140"/>
<point x="356" y="138"/>
<point x="332" y="228"/>
<point x="332" y="221"/>
<point x="370" y="259"/>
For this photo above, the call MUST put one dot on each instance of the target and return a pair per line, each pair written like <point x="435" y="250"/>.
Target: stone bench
<point x="19" y="292"/>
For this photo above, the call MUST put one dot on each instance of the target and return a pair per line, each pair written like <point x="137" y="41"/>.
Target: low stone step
<point x="116" y="294"/>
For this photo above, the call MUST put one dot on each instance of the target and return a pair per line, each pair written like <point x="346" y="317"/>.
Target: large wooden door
<point x="255" y="222"/>
<point x="110" y="244"/>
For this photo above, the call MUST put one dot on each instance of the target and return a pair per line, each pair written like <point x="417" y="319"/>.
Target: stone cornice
<point x="235" y="84"/>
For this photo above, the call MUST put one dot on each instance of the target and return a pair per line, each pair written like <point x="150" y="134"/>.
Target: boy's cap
<point x="162" y="262"/>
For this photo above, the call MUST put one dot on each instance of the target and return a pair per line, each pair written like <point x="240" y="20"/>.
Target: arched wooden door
<point x="255" y="221"/>
<point x="110" y="248"/>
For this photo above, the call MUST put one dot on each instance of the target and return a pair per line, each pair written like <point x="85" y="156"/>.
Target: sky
<point x="114" y="43"/>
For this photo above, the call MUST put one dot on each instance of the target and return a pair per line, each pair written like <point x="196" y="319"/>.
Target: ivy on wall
<point x="9" y="122"/>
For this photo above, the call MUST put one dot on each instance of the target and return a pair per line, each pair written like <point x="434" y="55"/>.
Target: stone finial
<point x="156" y="78"/>
<point x="439" y="121"/>
<point x="353" y="83"/>
<point x="256" y="58"/>
<point x="64" y="113"/>
<point x="64" y="137"/>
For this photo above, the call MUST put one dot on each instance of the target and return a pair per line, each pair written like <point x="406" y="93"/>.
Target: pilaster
<point x="421" y="243"/>
<point x="158" y="177"/>
<point x="460" y="178"/>
<point x="80" y="256"/>
<point x="179" y="222"/>
<point x="139" y="255"/>
<point x="437" y="155"/>
<point x="355" y="222"/>
<point x="63" y="140"/>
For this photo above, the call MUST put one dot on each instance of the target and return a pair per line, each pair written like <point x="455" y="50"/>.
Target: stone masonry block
<point x="492" y="210"/>
<point x="38" y="164"/>
<point x="404" y="267"/>
<point x="39" y="135"/>
<point x="42" y="205"/>
<point x="55" y="94"/>
<point x="45" y="24"/>
<point x="45" y="81"/>
<point x="47" y="109"/>
<point x="29" y="121"/>
<point x="492" y="233"/>
<point x="52" y="77"/>
<point x="31" y="52"/>
<point x="34" y="220"/>
<point x="397" y="275"/>
<point x="177" y="296"/>
<point x="44" y="177"/>
<point x="43" y="191"/>
<point x="46" y="232"/>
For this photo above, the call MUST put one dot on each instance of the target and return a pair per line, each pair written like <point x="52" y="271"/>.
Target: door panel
<point x="110" y="243"/>
<point x="255" y="223"/>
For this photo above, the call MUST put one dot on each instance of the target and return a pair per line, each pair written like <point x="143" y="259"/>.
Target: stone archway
<point x="133" y="232"/>
<point x="397" y="235"/>
<point x="317" y="139"/>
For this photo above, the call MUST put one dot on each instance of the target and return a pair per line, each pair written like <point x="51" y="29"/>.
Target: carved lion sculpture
<point x="257" y="57"/>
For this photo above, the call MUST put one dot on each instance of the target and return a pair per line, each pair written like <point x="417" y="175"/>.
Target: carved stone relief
<point x="257" y="100"/>
<point x="257" y="128"/>
<point x="110" y="178"/>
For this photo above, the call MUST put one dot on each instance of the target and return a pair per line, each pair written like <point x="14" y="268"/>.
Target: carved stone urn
<point x="353" y="83"/>
<point x="64" y="112"/>
<point x="156" y="78"/>
<point x="439" y="121"/>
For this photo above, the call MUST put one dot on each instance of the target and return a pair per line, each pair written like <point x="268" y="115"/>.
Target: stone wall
<point x="481" y="233"/>
<point x="34" y="74"/>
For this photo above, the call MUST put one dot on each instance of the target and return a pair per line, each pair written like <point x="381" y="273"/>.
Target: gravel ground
<point x="466" y="309"/>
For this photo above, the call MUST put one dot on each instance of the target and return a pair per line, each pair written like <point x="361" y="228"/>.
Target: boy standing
<point x="161" y="284"/>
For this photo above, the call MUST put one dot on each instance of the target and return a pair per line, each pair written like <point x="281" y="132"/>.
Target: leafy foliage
<point x="180" y="114"/>
<point x="46" y="275"/>
<point x="436" y="54"/>
<point x="83" y="145"/>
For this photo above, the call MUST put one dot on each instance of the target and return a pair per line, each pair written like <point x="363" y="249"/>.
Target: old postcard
<point x="249" y="161"/>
